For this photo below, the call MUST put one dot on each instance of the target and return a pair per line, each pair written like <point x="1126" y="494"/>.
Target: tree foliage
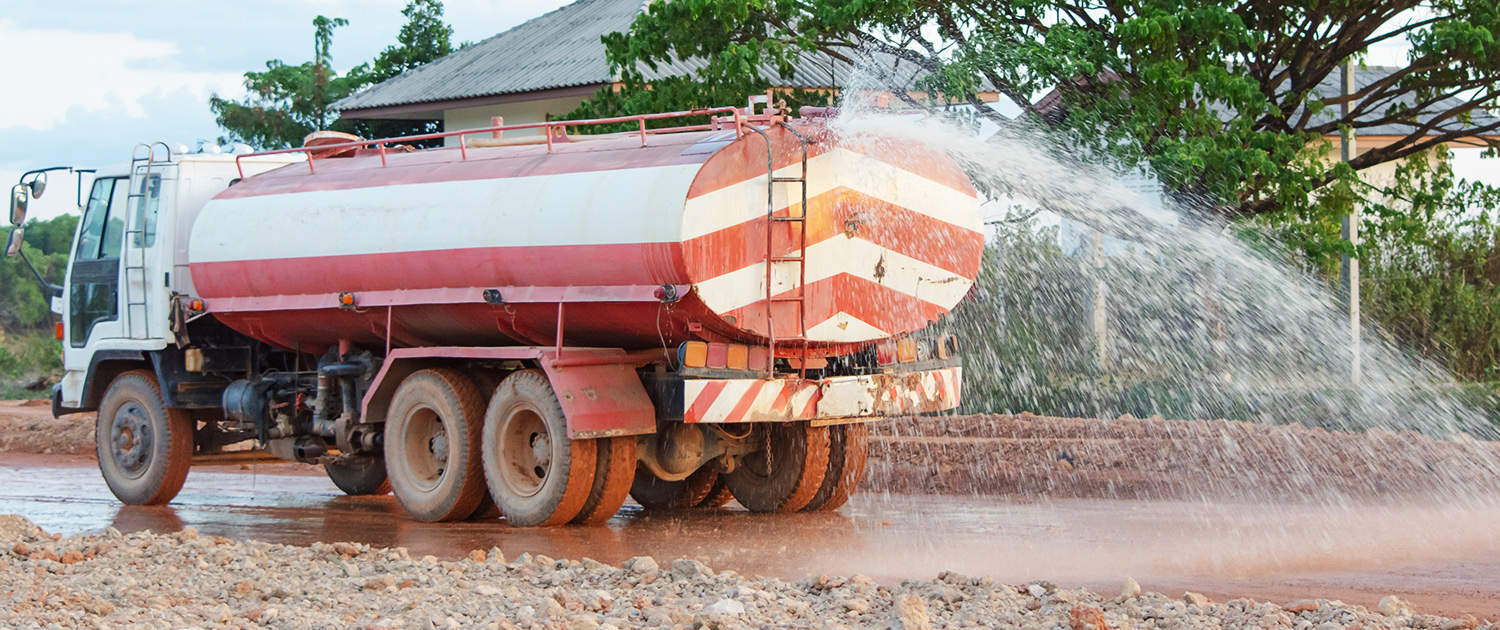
<point x="1220" y="98"/>
<point x="286" y="102"/>
<point x="22" y="303"/>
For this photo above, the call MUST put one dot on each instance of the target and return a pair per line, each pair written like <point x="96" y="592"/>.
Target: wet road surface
<point x="1445" y="559"/>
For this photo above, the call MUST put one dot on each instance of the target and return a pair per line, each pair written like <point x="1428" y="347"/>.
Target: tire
<point x="614" y="472"/>
<point x="487" y="510"/>
<point x="432" y="437"/>
<point x="359" y="475"/>
<point x="658" y="495"/>
<point x="799" y="459"/>
<point x="144" y="449"/>
<point x="848" y="447"/>
<point x="535" y="473"/>
<point x="718" y="496"/>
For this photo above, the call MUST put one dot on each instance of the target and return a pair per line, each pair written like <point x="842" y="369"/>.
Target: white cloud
<point x="93" y="73"/>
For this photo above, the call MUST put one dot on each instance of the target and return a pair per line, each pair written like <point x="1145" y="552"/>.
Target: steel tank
<point x="620" y="241"/>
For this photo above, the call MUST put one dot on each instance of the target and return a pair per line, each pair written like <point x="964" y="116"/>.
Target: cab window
<point x="145" y="212"/>
<point x="93" y="291"/>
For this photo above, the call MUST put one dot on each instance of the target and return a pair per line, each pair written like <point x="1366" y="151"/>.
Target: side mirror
<point x="38" y="184"/>
<point x="18" y="201"/>
<point x="13" y="244"/>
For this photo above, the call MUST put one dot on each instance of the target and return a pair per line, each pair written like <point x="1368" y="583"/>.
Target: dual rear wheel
<point x="444" y="448"/>
<point x="798" y="467"/>
<point x="451" y="456"/>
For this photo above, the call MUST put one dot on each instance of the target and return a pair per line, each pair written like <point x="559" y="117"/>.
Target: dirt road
<point x="1443" y="559"/>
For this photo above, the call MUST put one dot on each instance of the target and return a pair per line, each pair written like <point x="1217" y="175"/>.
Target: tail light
<point x="57" y="328"/>
<point x="906" y="350"/>
<point x="693" y="354"/>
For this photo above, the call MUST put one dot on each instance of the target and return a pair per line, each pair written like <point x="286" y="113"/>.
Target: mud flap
<point x="602" y="400"/>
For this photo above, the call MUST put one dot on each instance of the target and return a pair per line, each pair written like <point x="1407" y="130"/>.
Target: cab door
<point x="93" y="283"/>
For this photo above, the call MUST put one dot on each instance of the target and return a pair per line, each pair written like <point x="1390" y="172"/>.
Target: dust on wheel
<point x="614" y="471"/>
<point x="536" y="474"/>
<point x="358" y="475"/>
<point x="432" y="445"/>
<point x="659" y="495"/>
<point x="144" y="448"/>
<point x="848" y="447"/>
<point x="718" y="496"/>
<point x="787" y="479"/>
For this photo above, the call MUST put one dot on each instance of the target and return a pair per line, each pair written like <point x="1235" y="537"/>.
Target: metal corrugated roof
<point x="1333" y="87"/>
<point x="557" y="49"/>
<point x="561" y="49"/>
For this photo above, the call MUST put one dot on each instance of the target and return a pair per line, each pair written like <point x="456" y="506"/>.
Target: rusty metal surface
<point x="601" y="400"/>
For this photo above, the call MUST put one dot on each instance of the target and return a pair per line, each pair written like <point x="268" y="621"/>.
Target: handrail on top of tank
<point x="463" y="149"/>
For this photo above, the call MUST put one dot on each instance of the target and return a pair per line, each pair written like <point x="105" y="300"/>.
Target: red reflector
<point x="885" y="352"/>
<point x="755" y="359"/>
<point x="718" y="355"/>
<point x="58" y="328"/>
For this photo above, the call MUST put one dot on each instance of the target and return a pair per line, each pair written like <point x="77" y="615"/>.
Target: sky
<point x="87" y="83"/>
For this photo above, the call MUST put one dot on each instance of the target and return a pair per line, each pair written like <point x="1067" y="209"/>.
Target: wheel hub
<point x="426" y="439"/>
<point x="131" y="438"/>
<point x="526" y="450"/>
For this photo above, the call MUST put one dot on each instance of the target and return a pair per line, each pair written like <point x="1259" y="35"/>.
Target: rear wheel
<point x="536" y="474"/>
<point x="144" y="448"/>
<point x="786" y="472"/>
<point x="614" y="471"/>
<point x="359" y="475"/>
<point x="718" y="496"/>
<point x="848" y="445"/>
<point x="660" y="495"/>
<point x="432" y="445"/>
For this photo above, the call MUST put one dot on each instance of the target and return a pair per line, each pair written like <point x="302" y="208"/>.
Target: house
<point x="543" y="69"/>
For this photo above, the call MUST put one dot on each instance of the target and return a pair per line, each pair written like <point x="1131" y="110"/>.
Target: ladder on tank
<point x="135" y="236"/>
<point x="797" y="257"/>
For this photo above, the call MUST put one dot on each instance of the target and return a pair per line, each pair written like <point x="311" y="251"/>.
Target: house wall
<point x="517" y="113"/>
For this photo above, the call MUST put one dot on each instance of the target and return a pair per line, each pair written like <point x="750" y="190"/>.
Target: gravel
<point x="185" y="579"/>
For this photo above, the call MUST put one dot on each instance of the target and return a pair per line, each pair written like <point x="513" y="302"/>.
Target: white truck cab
<point x="129" y="258"/>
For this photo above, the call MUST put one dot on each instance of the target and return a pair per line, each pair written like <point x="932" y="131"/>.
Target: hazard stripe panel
<point x="791" y="399"/>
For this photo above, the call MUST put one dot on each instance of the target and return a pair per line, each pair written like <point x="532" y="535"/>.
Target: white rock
<point x="1392" y="606"/>
<point x="726" y="607"/>
<point x="1130" y="589"/>
<point x="1036" y="590"/>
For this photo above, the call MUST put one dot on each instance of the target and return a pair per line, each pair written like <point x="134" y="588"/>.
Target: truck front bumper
<point x="831" y="400"/>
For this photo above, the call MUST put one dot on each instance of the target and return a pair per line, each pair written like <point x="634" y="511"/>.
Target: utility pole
<point x="1349" y="269"/>
<point x="1101" y="300"/>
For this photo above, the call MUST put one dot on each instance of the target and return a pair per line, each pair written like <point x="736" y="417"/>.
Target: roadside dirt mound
<point x="1039" y="456"/>
<point x="1131" y="457"/>
<point x="27" y="426"/>
<point x="187" y="579"/>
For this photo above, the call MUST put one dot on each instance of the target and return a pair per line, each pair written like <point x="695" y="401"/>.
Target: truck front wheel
<point x="144" y="448"/>
<point x="536" y="473"/>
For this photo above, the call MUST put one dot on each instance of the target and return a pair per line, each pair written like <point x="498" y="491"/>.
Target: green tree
<point x="22" y="303"/>
<point x="1218" y="97"/>
<point x="423" y="39"/>
<point x="287" y="102"/>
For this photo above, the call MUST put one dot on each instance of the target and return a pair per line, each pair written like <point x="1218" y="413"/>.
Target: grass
<point x="25" y="357"/>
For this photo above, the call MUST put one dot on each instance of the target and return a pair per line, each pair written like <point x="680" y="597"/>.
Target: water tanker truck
<point x="554" y="322"/>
